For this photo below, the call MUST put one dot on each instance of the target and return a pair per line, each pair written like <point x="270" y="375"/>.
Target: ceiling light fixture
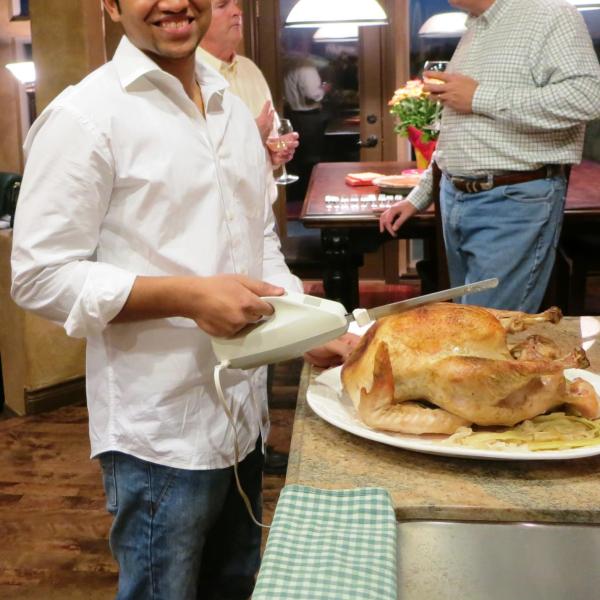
<point x="585" y="4"/>
<point x="24" y="72"/>
<point x="336" y="32"/>
<point x="316" y="13"/>
<point x="444" y="25"/>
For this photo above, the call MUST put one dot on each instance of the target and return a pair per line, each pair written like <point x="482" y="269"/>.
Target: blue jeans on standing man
<point x="180" y="534"/>
<point x="510" y="232"/>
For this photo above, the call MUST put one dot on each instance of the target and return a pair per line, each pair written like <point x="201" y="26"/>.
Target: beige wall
<point x="68" y="43"/>
<point x="11" y="33"/>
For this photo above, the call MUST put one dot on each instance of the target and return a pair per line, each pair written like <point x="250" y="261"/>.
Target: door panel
<point x="370" y="93"/>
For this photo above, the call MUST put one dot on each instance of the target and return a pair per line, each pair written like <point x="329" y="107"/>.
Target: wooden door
<point x="384" y="64"/>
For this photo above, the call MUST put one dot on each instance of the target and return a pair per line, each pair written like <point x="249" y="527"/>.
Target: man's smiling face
<point x="163" y="29"/>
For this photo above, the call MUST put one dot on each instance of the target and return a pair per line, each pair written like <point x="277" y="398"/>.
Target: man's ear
<point x="113" y="9"/>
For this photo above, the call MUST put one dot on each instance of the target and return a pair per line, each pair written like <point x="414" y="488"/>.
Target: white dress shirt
<point x="125" y="177"/>
<point x="302" y="85"/>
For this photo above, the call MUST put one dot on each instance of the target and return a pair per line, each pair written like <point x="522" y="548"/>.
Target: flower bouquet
<point x="417" y="116"/>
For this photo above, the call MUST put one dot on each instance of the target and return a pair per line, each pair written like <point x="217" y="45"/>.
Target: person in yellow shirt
<point x="218" y="49"/>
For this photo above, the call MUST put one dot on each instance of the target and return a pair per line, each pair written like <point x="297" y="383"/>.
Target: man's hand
<point x="457" y="91"/>
<point x="224" y="304"/>
<point x="220" y="305"/>
<point x="333" y="353"/>
<point x="264" y="121"/>
<point x="394" y="217"/>
<point x="280" y="157"/>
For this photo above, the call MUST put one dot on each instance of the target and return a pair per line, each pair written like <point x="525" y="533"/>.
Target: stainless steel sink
<point x="440" y="560"/>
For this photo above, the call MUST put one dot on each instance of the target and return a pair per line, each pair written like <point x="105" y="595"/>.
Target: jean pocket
<point x="162" y="479"/>
<point x="109" y="480"/>
<point x="538" y="190"/>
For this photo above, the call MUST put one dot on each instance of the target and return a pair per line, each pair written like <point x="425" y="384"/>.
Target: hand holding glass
<point x="437" y="66"/>
<point x="434" y="65"/>
<point x="277" y="144"/>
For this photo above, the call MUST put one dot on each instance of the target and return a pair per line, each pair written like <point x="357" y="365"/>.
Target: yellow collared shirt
<point x="245" y="79"/>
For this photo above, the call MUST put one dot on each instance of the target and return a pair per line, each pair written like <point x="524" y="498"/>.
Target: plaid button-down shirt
<point x="539" y="82"/>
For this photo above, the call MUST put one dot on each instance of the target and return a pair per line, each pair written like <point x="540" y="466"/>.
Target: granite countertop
<point x="426" y="486"/>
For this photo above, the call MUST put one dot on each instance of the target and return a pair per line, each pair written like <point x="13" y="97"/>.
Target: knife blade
<point x="363" y="316"/>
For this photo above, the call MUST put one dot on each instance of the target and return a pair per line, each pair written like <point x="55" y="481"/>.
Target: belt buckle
<point x="488" y="184"/>
<point x="474" y="186"/>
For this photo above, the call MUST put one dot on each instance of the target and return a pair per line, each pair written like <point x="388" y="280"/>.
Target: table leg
<point x="340" y="274"/>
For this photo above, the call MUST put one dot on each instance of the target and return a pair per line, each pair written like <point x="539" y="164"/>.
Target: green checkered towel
<point x="330" y="545"/>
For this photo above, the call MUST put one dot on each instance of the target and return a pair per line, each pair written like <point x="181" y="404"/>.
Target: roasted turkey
<point x="442" y="366"/>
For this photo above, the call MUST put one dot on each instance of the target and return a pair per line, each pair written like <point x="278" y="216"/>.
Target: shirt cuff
<point x="102" y="297"/>
<point x="420" y="198"/>
<point x="485" y="100"/>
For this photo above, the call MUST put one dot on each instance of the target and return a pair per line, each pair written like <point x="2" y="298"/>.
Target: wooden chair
<point x="580" y="249"/>
<point x="582" y="253"/>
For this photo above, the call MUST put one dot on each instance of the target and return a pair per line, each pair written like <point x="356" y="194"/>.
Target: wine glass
<point x="277" y="144"/>
<point x="438" y="66"/>
<point x="434" y="65"/>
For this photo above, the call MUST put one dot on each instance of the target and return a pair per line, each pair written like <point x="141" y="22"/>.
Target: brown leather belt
<point x="483" y="184"/>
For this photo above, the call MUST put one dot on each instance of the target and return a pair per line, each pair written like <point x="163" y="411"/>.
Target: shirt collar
<point x="490" y="15"/>
<point x="220" y="65"/>
<point x="132" y="64"/>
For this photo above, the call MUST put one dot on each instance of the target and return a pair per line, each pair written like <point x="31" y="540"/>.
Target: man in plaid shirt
<point x="519" y="89"/>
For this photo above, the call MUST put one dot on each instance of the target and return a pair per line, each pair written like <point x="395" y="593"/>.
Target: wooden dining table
<point x="350" y="228"/>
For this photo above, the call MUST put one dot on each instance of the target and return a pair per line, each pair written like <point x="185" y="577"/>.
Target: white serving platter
<point x="327" y="399"/>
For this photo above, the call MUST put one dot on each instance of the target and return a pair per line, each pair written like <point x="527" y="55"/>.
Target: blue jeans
<point x="180" y="534"/>
<point x="510" y="232"/>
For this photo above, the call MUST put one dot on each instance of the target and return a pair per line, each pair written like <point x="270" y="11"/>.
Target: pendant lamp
<point x="337" y="32"/>
<point x="585" y="4"/>
<point x="315" y="13"/>
<point x="444" y="25"/>
<point x="24" y="72"/>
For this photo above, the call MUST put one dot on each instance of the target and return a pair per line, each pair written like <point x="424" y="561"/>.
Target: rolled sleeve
<point x="422" y="196"/>
<point x="104" y="292"/>
<point x="63" y="200"/>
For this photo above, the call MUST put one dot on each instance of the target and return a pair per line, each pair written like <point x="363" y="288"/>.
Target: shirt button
<point x="229" y="215"/>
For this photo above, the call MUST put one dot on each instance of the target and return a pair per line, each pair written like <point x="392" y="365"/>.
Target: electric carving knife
<point x="301" y="322"/>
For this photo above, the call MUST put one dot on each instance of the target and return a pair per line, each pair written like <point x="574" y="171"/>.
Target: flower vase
<point x="423" y="149"/>
<point x="422" y="162"/>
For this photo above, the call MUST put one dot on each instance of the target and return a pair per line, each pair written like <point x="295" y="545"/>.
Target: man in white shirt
<point x="218" y="49"/>
<point x="144" y="224"/>
<point x="304" y="92"/>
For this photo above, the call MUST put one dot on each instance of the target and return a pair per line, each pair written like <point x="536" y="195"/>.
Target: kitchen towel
<point x="330" y="545"/>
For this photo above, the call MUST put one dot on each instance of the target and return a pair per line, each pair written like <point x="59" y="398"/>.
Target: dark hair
<point x="118" y="5"/>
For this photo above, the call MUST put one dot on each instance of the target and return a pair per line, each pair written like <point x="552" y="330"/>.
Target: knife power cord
<point x="236" y="448"/>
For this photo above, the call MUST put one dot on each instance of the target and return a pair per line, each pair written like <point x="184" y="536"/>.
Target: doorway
<point x="361" y="72"/>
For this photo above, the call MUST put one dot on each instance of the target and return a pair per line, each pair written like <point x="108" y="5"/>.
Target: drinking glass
<point x="278" y="143"/>
<point x="439" y="66"/>
<point x="434" y="65"/>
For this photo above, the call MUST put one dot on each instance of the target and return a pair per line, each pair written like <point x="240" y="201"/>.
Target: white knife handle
<point x="361" y="316"/>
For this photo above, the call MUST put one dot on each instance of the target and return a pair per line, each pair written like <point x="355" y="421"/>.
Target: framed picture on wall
<point x="19" y="9"/>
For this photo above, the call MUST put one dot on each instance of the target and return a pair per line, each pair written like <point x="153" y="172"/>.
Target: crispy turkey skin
<point x="455" y="358"/>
